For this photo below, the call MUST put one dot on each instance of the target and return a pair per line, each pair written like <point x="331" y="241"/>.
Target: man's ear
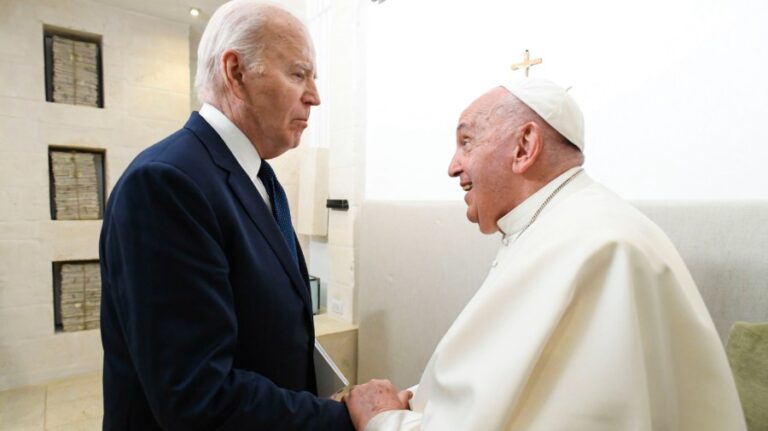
<point x="528" y="144"/>
<point x="233" y="69"/>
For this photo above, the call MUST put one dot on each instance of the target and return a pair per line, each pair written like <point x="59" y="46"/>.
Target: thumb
<point x="404" y="397"/>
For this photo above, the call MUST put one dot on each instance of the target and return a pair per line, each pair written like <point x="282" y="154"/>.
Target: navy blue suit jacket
<point x="206" y="320"/>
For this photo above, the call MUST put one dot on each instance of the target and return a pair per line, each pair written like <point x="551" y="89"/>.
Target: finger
<point x="404" y="397"/>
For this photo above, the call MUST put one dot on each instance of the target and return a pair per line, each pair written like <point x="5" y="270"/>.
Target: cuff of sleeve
<point x="395" y="420"/>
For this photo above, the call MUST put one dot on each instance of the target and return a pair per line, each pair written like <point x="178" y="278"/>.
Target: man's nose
<point x="454" y="168"/>
<point x="311" y="96"/>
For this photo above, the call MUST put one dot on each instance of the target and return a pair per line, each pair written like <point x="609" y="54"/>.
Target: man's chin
<point x="296" y="141"/>
<point x="487" y="230"/>
<point x="471" y="216"/>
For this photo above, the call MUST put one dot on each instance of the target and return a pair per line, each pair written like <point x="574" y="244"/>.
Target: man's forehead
<point x="297" y="50"/>
<point x="469" y="115"/>
<point x="285" y="32"/>
<point x="477" y="109"/>
<point x="468" y="120"/>
<point x="480" y="109"/>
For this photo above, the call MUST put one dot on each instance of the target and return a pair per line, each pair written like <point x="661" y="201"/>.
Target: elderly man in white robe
<point x="588" y="319"/>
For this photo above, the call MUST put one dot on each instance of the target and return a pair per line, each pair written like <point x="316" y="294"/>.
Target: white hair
<point x="237" y="25"/>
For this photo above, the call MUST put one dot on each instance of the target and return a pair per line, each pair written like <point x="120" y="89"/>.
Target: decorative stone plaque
<point x="77" y="184"/>
<point x="78" y="288"/>
<point x="73" y="70"/>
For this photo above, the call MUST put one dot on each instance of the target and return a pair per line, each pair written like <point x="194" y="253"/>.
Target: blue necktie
<point x="280" y="209"/>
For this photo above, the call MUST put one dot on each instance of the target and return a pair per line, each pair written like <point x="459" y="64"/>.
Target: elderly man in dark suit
<point x="206" y="314"/>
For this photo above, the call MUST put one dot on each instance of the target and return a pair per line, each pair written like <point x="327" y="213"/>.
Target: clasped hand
<point x="367" y="400"/>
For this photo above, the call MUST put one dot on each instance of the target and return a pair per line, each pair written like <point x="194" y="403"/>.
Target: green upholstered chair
<point x="748" y="354"/>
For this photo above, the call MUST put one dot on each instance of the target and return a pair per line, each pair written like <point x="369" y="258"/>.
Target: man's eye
<point x="299" y="75"/>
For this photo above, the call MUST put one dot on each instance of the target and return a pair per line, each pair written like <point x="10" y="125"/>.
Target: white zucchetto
<point x="553" y="104"/>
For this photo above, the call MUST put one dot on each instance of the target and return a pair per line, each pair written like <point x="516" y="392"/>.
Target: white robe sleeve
<point x="395" y="420"/>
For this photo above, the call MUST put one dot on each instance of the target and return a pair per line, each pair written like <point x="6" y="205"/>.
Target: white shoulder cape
<point x="589" y="321"/>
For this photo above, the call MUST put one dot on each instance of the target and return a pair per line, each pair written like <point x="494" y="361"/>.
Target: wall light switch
<point x="337" y="307"/>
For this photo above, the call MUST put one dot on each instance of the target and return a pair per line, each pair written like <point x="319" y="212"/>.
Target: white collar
<point x="515" y="220"/>
<point x="239" y="144"/>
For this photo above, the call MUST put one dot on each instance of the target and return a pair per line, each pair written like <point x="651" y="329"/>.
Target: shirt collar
<point x="239" y="144"/>
<point x="515" y="220"/>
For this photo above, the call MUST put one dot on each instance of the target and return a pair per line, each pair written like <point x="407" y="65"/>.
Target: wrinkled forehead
<point x="289" y="43"/>
<point x="286" y="32"/>
<point x="478" y="115"/>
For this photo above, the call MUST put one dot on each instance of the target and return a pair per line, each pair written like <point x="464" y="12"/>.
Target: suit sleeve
<point x="176" y="312"/>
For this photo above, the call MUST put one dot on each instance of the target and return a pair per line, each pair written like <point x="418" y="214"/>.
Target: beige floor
<point x="72" y="404"/>
<point x="76" y="403"/>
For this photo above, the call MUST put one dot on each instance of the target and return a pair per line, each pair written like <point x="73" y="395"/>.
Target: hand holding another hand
<point x="367" y="400"/>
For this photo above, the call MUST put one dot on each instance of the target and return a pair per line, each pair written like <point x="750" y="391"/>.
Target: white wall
<point x="674" y="94"/>
<point x="146" y="97"/>
<point x="338" y="29"/>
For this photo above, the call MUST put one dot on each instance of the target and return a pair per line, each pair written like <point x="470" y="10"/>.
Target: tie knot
<point x="280" y="210"/>
<point x="265" y="172"/>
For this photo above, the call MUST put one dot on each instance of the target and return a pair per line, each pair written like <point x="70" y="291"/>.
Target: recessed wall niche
<point x="76" y="295"/>
<point x="73" y="70"/>
<point x="76" y="179"/>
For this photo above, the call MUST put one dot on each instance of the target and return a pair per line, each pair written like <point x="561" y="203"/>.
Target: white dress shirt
<point x="240" y="146"/>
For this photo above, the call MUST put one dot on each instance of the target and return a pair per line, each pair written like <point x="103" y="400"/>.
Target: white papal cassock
<point x="588" y="321"/>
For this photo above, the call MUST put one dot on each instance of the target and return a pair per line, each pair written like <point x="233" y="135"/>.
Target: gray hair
<point x="238" y="25"/>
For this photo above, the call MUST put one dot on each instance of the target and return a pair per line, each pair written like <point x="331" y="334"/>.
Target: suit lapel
<point x="252" y="202"/>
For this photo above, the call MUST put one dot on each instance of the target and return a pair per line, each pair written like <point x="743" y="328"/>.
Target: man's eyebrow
<point x="307" y="67"/>
<point x="463" y="127"/>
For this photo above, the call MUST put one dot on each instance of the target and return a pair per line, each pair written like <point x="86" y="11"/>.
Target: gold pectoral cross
<point x="527" y="63"/>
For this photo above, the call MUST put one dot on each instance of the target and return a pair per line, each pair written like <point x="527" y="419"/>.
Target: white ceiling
<point x="176" y="10"/>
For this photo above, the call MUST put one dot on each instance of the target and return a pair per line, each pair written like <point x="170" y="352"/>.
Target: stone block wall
<point x="146" y="97"/>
